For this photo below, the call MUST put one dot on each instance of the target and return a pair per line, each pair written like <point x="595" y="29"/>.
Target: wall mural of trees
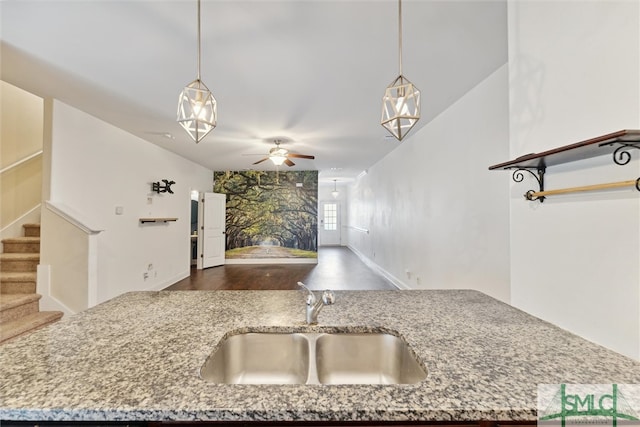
<point x="270" y="214"/>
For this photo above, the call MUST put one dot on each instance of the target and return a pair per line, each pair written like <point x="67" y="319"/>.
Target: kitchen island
<point x="137" y="358"/>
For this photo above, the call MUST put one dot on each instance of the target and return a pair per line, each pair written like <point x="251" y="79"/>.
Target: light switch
<point x="119" y="210"/>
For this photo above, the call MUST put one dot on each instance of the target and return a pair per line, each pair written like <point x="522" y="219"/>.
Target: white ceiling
<point x="310" y="72"/>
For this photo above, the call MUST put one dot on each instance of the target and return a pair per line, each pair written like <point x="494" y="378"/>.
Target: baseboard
<point x="375" y="267"/>
<point x="166" y="283"/>
<point x="47" y="302"/>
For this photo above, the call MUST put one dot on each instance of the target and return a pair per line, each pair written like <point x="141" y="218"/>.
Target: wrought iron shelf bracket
<point x="619" y="144"/>
<point x="518" y="176"/>
<point x="621" y="155"/>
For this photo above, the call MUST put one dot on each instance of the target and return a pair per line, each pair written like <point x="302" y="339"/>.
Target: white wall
<point x="96" y="167"/>
<point x="65" y="281"/>
<point x="433" y="208"/>
<point x="575" y="74"/>
<point x="21" y="135"/>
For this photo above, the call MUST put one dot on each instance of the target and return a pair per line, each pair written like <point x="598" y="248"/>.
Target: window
<point x="330" y="216"/>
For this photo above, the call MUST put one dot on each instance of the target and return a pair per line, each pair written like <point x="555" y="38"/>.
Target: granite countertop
<point x="137" y="357"/>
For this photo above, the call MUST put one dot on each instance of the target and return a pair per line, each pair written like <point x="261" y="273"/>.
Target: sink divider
<point x="312" y="375"/>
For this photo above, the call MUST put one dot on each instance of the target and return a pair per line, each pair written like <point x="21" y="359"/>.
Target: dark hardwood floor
<point x="338" y="268"/>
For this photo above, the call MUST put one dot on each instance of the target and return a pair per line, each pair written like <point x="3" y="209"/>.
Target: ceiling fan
<point x="280" y="155"/>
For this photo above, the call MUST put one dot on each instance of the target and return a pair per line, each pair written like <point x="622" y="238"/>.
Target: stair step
<point x="19" y="262"/>
<point x="17" y="287"/>
<point x="17" y="282"/>
<point x="31" y="230"/>
<point x="21" y="245"/>
<point x="15" y="306"/>
<point x="17" y="276"/>
<point x="19" y="304"/>
<point x="27" y="324"/>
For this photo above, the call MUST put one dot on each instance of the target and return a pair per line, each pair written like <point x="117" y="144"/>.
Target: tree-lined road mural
<point x="270" y="214"/>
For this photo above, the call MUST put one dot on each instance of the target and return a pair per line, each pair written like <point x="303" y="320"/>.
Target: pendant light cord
<point x="198" y="78"/>
<point x="399" y="35"/>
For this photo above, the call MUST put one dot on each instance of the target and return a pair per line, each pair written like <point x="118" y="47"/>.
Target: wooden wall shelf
<point x="146" y="220"/>
<point x="605" y="144"/>
<point x="617" y="144"/>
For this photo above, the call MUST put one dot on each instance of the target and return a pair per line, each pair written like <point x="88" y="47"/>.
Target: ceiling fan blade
<point x="288" y="162"/>
<point x="260" y="161"/>
<point x="300" y="156"/>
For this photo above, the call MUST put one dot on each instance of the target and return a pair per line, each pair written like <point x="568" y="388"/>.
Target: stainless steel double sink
<point x="313" y="358"/>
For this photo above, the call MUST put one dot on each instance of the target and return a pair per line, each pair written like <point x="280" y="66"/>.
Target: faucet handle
<point x="311" y="297"/>
<point x="328" y="297"/>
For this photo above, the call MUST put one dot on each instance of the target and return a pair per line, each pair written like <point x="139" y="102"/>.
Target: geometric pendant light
<point x="197" y="108"/>
<point x="401" y="100"/>
<point x="335" y="193"/>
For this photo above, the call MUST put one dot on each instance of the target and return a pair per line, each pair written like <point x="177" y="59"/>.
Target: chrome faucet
<point x="314" y="305"/>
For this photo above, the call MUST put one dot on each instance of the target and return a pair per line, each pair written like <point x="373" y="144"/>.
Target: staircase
<point x="19" y="303"/>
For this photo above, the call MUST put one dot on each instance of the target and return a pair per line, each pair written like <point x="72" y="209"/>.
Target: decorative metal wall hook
<point x="166" y="188"/>
<point x="518" y="176"/>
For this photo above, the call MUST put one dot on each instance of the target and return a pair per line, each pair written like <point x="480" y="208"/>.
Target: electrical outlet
<point x="145" y="275"/>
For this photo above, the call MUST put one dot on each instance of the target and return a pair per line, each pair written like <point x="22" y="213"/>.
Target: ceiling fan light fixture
<point x="278" y="155"/>
<point x="197" y="107"/>
<point x="401" y="100"/>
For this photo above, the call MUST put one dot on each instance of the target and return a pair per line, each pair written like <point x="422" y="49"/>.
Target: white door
<point x="211" y="223"/>
<point x="329" y="223"/>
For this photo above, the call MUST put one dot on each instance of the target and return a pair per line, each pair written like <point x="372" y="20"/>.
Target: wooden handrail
<point x="360" y="229"/>
<point x="21" y="161"/>
<point x="537" y="194"/>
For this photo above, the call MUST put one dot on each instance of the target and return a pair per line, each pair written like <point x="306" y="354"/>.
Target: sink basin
<point x="312" y="358"/>
<point x="259" y="358"/>
<point x="366" y="359"/>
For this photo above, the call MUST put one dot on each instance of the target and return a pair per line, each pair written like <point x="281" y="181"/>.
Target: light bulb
<point x="401" y="106"/>
<point x="278" y="159"/>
